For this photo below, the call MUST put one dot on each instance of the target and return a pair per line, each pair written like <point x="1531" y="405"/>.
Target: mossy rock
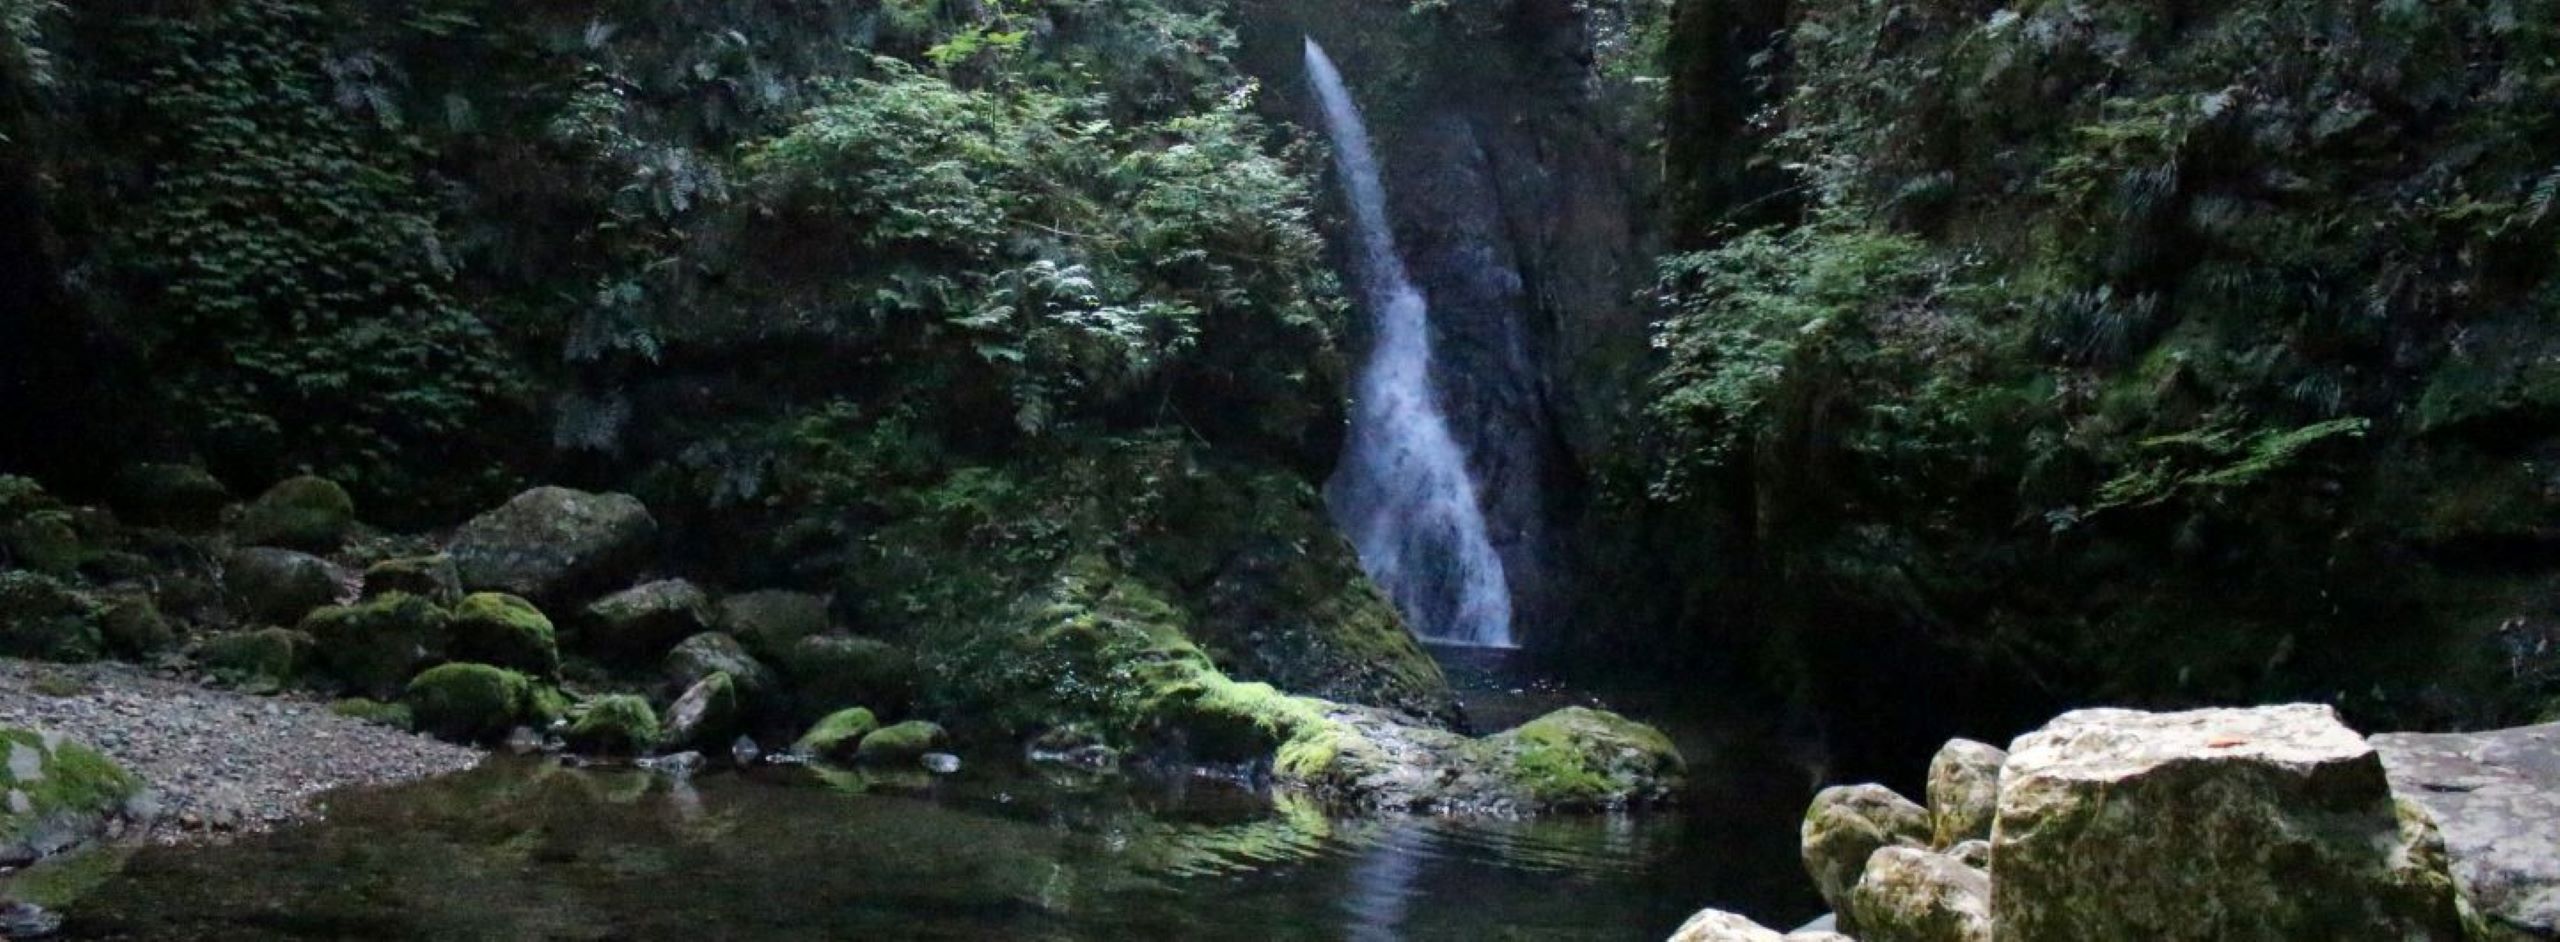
<point x="281" y="585"/>
<point x="42" y="619"/>
<point x="707" y="716"/>
<point x="615" y="724"/>
<point x="501" y="629"/>
<point x="132" y="627"/>
<point x="1579" y="757"/>
<point x="711" y="653"/>
<point x="903" y="743"/>
<point x="770" y="622"/>
<point x="553" y="545"/>
<point x="55" y="795"/>
<point x="306" y="513"/>
<point x="427" y="577"/>
<point x="177" y="496"/>
<point x="473" y="702"/>
<point x="638" y="625"/>
<point x="372" y="648"/>
<point x="394" y="715"/>
<point x="831" y="672"/>
<point x="838" y="735"/>
<point x="46" y="542"/>
<point x="261" y="661"/>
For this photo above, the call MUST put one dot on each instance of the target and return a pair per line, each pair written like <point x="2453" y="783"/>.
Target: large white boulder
<point x="1845" y="826"/>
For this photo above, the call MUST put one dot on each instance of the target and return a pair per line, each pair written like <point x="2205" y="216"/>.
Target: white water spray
<point x="1403" y="493"/>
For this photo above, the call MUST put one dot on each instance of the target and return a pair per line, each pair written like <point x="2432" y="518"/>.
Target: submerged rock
<point x="1911" y="895"/>
<point x="639" y="624"/>
<point x="1846" y="825"/>
<point x="2496" y="797"/>
<point x="2254" y="825"/>
<point x="281" y="585"/>
<point x="550" y="544"/>
<point x="305" y="513"/>
<point x="56" y="794"/>
<point x="1964" y="791"/>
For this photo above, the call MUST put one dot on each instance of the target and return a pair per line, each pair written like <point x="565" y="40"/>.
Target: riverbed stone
<point x="2237" y="825"/>
<point x="281" y="586"/>
<point x="771" y="621"/>
<point x="1912" y="895"/>
<point x="434" y="578"/>
<point x="372" y="648"/>
<point x="56" y="794"/>
<point x="1581" y="758"/>
<point x="305" y="513"/>
<point x="505" y="630"/>
<point x="1964" y="791"/>
<point x="1846" y="825"/>
<point x="552" y="544"/>
<point x="639" y="624"/>
<point x="2496" y="798"/>
<point x="708" y="714"/>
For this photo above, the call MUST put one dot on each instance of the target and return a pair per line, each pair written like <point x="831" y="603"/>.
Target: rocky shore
<point x="215" y="761"/>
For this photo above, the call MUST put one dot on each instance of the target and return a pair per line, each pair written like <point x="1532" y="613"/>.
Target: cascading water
<point x="1403" y="494"/>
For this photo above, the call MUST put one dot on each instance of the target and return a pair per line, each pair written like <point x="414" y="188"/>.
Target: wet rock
<point x="941" y="763"/>
<point x="177" y="496"/>
<point x="305" y="513"/>
<point x="615" y="724"/>
<point x="56" y="794"/>
<point x="372" y="648"/>
<point x="706" y="714"/>
<point x="2236" y="825"/>
<point x="679" y="765"/>
<point x="2496" y="798"/>
<point x="523" y="741"/>
<point x="497" y="628"/>
<point x="474" y="703"/>
<point x="1964" y="791"/>
<point x="901" y="744"/>
<point x="434" y="578"/>
<point x="1846" y="825"/>
<point x="837" y="736"/>
<point x="281" y="585"/>
<point x="639" y="624"/>
<point x="1911" y="895"/>
<point x="770" y="622"/>
<point x="552" y="544"/>
<point x="711" y="653"/>
<point x="744" y="752"/>
<point x="42" y="619"/>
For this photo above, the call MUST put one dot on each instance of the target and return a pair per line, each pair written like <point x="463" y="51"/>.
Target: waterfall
<point x="1402" y="493"/>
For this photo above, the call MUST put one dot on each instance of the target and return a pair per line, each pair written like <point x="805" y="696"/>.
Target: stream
<point x="527" y="848"/>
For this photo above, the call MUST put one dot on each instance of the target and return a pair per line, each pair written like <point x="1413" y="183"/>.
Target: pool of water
<point x="528" y="849"/>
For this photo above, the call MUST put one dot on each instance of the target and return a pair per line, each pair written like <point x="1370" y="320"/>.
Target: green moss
<point x="904" y="742"/>
<point x="132" y="627"/>
<point x="838" y="735"/>
<point x="170" y="495"/>
<point x="261" y="661"/>
<point x="429" y="577"/>
<point x="501" y="629"/>
<point x="58" y="882"/>
<point x="1580" y="757"/>
<point x="831" y="672"/>
<point x="471" y="702"/>
<point x="66" y="789"/>
<point x="615" y="724"/>
<point x="42" y="619"/>
<point x="374" y="647"/>
<point x="44" y="541"/>
<point x="395" y="715"/>
<point x="305" y="513"/>
<point x="707" y="715"/>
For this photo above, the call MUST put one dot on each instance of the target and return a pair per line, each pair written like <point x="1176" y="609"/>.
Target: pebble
<point x="219" y="761"/>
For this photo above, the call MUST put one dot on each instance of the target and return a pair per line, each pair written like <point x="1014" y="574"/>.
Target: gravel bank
<point x="216" y="761"/>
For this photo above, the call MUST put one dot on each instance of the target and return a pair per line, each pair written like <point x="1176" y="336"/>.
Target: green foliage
<point x="2200" y="464"/>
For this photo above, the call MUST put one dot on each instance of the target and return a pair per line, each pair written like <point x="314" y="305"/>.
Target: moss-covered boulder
<point x="769" y="623"/>
<point x="837" y="736"/>
<point x="56" y="794"/>
<point x="1579" y="757"/>
<point x="132" y="627"/>
<point x="44" y="541"/>
<point x="505" y="630"/>
<point x="711" y="653"/>
<point x="394" y="715"/>
<point x="614" y="724"/>
<point x="428" y="577"/>
<point x="177" y="496"/>
<point x="639" y="624"/>
<point x="280" y="585"/>
<point x="43" y="619"/>
<point x="473" y="702"/>
<point x="1847" y="824"/>
<point x="372" y="648"/>
<point x="260" y="661"/>
<point x="901" y="744"/>
<point x="2251" y="825"/>
<point x="708" y="715"/>
<point x="554" y="545"/>
<point x="831" y="672"/>
<point x="306" y="513"/>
